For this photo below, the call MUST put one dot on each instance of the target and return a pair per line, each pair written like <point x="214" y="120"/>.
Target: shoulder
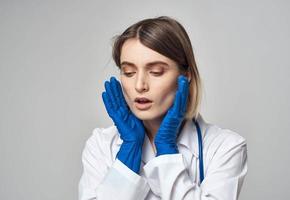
<point x="104" y="135"/>
<point x="102" y="142"/>
<point x="221" y="143"/>
<point x="218" y="139"/>
<point x="214" y="133"/>
<point x="225" y="152"/>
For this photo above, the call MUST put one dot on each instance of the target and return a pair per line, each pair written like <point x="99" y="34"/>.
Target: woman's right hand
<point x="131" y="129"/>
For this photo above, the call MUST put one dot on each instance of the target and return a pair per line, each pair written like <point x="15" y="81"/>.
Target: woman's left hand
<point x="165" y="139"/>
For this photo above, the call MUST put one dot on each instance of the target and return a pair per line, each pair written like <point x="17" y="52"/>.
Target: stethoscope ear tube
<point x="200" y="151"/>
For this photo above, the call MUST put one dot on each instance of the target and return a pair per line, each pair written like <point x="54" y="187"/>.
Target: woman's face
<point x="147" y="74"/>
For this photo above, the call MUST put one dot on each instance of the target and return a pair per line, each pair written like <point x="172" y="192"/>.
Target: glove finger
<point x="179" y="93"/>
<point x="122" y="98"/>
<point x="174" y="108"/>
<point x="176" y="105"/>
<point x="116" y="93"/>
<point x="110" y="94"/>
<point x="131" y="121"/>
<point x="108" y="104"/>
<point x="182" y="82"/>
<point x="122" y="105"/>
<point x="184" y="89"/>
<point x="123" y="113"/>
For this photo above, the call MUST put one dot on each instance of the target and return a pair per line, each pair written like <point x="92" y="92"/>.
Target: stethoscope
<point x="200" y="151"/>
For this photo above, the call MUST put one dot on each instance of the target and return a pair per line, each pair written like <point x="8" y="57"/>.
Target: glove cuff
<point x="166" y="149"/>
<point x="130" y="154"/>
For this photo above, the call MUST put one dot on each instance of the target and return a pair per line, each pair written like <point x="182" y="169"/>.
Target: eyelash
<point x="130" y="74"/>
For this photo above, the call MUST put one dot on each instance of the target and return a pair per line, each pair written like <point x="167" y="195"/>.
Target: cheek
<point x="167" y="99"/>
<point x="167" y="94"/>
<point x="126" y="90"/>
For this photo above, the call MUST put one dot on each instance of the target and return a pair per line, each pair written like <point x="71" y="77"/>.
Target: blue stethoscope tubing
<point x="200" y="151"/>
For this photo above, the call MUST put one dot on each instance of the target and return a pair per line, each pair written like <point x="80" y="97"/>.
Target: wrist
<point x="162" y="149"/>
<point x="130" y="154"/>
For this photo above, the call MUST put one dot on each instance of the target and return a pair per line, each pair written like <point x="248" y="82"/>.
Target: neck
<point x="152" y="127"/>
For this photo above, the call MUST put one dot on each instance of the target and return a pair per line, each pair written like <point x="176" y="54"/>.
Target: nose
<point x="141" y="83"/>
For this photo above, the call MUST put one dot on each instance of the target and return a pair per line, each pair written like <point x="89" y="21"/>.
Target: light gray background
<point x="55" y="56"/>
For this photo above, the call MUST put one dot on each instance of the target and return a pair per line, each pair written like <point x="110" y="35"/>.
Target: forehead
<point x="135" y="52"/>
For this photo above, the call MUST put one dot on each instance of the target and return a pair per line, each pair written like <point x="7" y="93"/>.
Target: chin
<point x="144" y="116"/>
<point x="147" y="115"/>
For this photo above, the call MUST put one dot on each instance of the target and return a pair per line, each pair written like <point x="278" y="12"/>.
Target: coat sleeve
<point x="103" y="180"/>
<point x="168" y="177"/>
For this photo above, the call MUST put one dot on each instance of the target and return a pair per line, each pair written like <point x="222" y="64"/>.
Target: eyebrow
<point x="150" y="64"/>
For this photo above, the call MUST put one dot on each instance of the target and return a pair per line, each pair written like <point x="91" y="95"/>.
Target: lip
<point x="142" y="103"/>
<point x="143" y="106"/>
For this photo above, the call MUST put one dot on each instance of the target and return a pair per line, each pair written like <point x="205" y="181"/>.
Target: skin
<point x="157" y="82"/>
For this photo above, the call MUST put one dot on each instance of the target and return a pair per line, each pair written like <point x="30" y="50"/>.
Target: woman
<point x="153" y="150"/>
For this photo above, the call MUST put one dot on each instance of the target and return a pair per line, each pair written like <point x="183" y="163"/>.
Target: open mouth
<point x="143" y="103"/>
<point x="142" y="100"/>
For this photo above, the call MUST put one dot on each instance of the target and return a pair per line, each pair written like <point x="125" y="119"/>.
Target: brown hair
<point x="168" y="37"/>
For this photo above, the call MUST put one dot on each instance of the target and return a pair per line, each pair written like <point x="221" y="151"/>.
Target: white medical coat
<point x="173" y="176"/>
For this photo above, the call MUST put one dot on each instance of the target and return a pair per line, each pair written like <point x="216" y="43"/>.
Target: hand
<point x="165" y="139"/>
<point x="131" y="129"/>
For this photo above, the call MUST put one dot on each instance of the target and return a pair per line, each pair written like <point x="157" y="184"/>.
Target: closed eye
<point x="156" y="73"/>
<point x="128" y="74"/>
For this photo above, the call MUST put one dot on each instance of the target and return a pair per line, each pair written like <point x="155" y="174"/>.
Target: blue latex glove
<point x="131" y="129"/>
<point x="165" y="139"/>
